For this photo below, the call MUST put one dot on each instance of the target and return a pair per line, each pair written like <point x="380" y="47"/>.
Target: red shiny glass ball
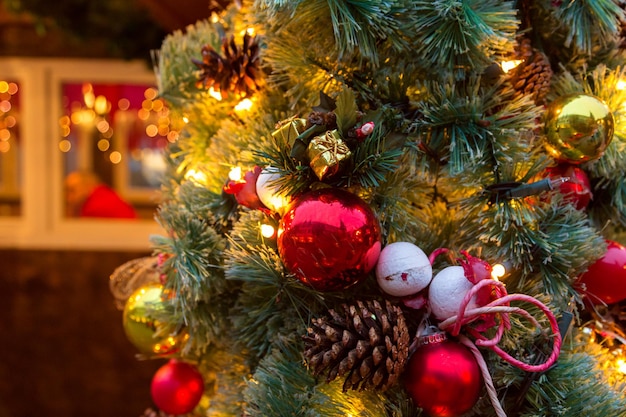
<point x="577" y="190"/>
<point x="605" y="280"/>
<point x="329" y="239"/>
<point x="443" y="379"/>
<point x="177" y="387"/>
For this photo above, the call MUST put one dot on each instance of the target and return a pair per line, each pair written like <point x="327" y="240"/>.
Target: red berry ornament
<point x="177" y="387"/>
<point x="443" y="377"/>
<point x="577" y="190"/>
<point x="605" y="280"/>
<point x="329" y="239"/>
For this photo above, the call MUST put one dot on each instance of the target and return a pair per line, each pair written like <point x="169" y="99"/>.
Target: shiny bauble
<point x="329" y="239"/>
<point x="141" y="326"/>
<point x="578" y="128"/>
<point x="443" y="378"/>
<point x="447" y="291"/>
<point x="177" y="387"/>
<point x="577" y="190"/>
<point x="268" y="191"/>
<point x="605" y="280"/>
<point x="403" y="269"/>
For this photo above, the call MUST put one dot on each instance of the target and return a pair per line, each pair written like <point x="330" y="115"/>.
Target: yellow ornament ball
<point x="141" y="326"/>
<point x="578" y="128"/>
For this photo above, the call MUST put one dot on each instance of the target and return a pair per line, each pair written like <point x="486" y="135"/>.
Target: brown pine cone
<point x="366" y="343"/>
<point x="533" y="75"/>
<point x="327" y="119"/>
<point x="237" y="70"/>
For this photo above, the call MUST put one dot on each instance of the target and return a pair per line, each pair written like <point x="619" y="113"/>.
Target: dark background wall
<point x="63" y="351"/>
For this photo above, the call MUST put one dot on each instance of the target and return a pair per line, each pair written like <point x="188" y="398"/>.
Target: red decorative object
<point x="577" y="190"/>
<point x="605" y="280"/>
<point x="177" y="387"/>
<point x="365" y="130"/>
<point x="443" y="377"/>
<point x="329" y="239"/>
<point x="244" y="190"/>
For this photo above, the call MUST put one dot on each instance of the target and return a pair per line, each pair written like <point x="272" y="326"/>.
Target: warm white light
<point x="621" y="85"/>
<point x="621" y="365"/>
<point x="235" y="174"/>
<point x="102" y="105"/>
<point x="509" y="65"/>
<point x="244" y="105"/>
<point x="185" y="119"/>
<point x="279" y="202"/>
<point x="65" y="145"/>
<point x="115" y="157"/>
<point x="215" y="94"/>
<point x="498" y="271"/>
<point x="267" y="230"/>
<point x="103" y="145"/>
<point x="150" y="93"/>
<point x="197" y="176"/>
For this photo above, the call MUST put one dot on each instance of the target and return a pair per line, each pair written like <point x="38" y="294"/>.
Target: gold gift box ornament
<point x="288" y="130"/>
<point x="326" y="153"/>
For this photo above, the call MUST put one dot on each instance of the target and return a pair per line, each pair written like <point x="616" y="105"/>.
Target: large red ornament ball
<point x="577" y="190"/>
<point x="443" y="378"/>
<point x="329" y="239"/>
<point x="177" y="387"/>
<point x="605" y="280"/>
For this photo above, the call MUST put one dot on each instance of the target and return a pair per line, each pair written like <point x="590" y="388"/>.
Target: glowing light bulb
<point x="498" y="271"/>
<point x="235" y="174"/>
<point x="215" y="94"/>
<point x="244" y="105"/>
<point x="621" y="85"/>
<point x="267" y="230"/>
<point x="509" y="65"/>
<point x="197" y="176"/>
<point x="621" y="365"/>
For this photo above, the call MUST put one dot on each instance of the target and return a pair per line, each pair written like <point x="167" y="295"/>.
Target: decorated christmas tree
<point x="390" y="208"/>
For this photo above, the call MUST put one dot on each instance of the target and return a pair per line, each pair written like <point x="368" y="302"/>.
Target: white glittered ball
<point x="267" y="190"/>
<point x="403" y="269"/>
<point x="447" y="290"/>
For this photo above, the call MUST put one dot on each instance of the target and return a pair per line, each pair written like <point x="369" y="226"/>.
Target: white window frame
<point x="42" y="224"/>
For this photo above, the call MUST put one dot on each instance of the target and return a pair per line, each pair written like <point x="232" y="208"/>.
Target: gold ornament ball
<point x="140" y="325"/>
<point x="578" y="128"/>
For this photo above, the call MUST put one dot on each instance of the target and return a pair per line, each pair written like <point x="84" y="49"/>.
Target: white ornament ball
<point x="403" y="269"/>
<point x="447" y="291"/>
<point x="267" y="190"/>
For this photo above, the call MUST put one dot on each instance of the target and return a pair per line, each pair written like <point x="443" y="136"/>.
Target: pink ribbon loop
<point x="501" y="307"/>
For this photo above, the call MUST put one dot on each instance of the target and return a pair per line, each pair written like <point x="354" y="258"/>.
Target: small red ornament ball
<point x="605" y="280"/>
<point x="443" y="378"/>
<point x="577" y="190"/>
<point x="329" y="239"/>
<point x="177" y="387"/>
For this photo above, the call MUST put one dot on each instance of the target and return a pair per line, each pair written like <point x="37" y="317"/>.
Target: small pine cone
<point x="533" y="75"/>
<point x="328" y="119"/>
<point x="237" y="70"/>
<point x="366" y="343"/>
